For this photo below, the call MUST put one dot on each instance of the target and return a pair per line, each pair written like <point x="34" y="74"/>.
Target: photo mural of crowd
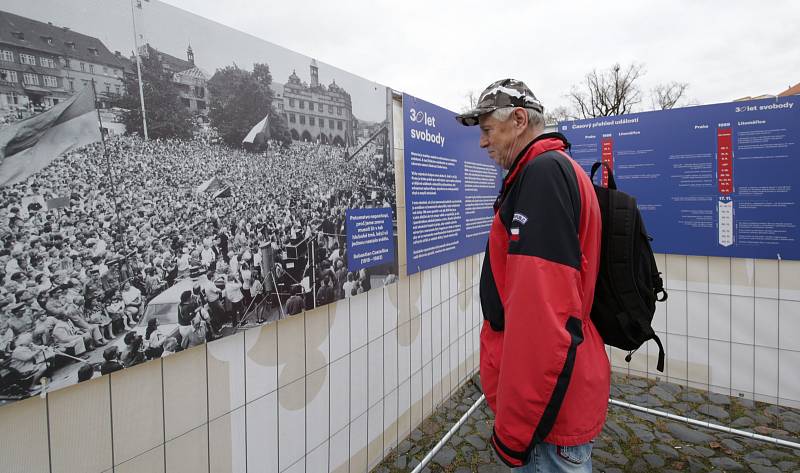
<point x="219" y="205"/>
<point x="209" y="239"/>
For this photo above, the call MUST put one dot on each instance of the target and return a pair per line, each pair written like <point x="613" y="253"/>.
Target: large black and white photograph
<point x="166" y="181"/>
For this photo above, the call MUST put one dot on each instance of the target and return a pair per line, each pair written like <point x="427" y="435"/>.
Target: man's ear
<point x="520" y="118"/>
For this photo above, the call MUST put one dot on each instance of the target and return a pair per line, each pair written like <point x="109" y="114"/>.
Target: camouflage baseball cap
<point x="501" y="94"/>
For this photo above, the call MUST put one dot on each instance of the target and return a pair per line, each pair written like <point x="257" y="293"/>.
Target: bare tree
<point x="558" y="114"/>
<point x="666" y="96"/>
<point x="614" y="91"/>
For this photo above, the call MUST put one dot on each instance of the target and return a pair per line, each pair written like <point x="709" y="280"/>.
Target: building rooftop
<point x="58" y="40"/>
<point x="170" y="62"/>
<point x="793" y="90"/>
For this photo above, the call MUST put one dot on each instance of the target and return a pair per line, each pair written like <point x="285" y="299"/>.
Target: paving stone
<point x="492" y="469"/>
<point x="639" y="465"/>
<point x="774" y="410"/>
<point x="786" y="465"/>
<point x="664" y="437"/>
<point x="639" y="383"/>
<point x="404" y="447"/>
<point x="674" y="389"/>
<point x="758" y="458"/>
<point x="695" y="466"/>
<point x="759" y="418"/>
<point x="467" y="450"/>
<point x="790" y="415"/>
<point x="662" y="394"/>
<point x="484" y="429"/>
<point x="691" y="451"/>
<point x="654" y="460"/>
<point x="616" y="430"/>
<point x="706" y="452"/>
<point x="764" y="430"/>
<point x="732" y="445"/>
<point x="746" y="403"/>
<point x="764" y="469"/>
<point x="645" y="435"/>
<point x="627" y="389"/>
<point x="648" y="417"/>
<point x="791" y="426"/>
<point x="430" y="427"/>
<point x="692" y="397"/>
<point x="606" y="457"/>
<point x="681" y="407"/>
<point x="667" y="450"/>
<point x="401" y="462"/>
<point x="742" y="422"/>
<point x="486" y="456"/>
<point x="645" y="400"/>
<point x="726" y="464"/>
<point x="751" y="443"/>
<point x="476" y="442"/>
<point x="775" y="455"/>
<point x="714" y="411"/>
<point x="688" y="434"/>
<point x="719" y="399"/>
<point x="445" y="456"/>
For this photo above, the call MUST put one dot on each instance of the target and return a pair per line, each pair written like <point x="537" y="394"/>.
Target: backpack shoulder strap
<point x="612" y="184"/>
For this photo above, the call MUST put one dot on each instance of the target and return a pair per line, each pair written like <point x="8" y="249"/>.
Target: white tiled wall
<point x="295" y="396"/>
<point x="730" y="325"/>
<point x="333" y="389"/>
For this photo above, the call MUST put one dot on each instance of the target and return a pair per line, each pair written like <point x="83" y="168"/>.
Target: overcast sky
<point x="439" y="50"/>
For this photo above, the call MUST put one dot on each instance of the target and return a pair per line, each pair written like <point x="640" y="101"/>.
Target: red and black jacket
<point x="544" y="368"/>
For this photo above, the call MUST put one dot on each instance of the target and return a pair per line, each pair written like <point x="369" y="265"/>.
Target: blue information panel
<point x="450" y="186"/>
<point x="370" y="237"/>
<point x="715" y="180"/>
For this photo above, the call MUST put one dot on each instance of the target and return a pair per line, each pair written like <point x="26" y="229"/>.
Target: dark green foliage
<point x="239" y="100"/>
<point x="166" y="116"/>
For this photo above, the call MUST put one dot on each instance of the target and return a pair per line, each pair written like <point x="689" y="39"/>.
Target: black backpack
<point x="629" y="283"/>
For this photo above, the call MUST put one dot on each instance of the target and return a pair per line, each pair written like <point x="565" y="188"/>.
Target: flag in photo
<point x="261" y="127"/>
<point x="514" y="233"/>
<point x="29" y="146"/>
<point x="222" y="193"/>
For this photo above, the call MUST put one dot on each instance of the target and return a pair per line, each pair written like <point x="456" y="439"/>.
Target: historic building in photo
<point x="42" y="64"/>
<point x="315" y="112"/>
<point x="192" y="82"/>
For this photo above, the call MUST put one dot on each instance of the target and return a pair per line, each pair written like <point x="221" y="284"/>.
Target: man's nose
<point x="484" y="142"/>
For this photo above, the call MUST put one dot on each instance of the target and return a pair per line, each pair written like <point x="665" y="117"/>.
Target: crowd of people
<point x="91" y="239"/>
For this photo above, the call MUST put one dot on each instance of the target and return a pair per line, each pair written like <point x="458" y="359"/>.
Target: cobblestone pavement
<point x="630" y="441"/>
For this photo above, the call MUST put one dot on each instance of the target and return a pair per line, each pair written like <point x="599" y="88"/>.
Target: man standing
<point x="544" y="368"/>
